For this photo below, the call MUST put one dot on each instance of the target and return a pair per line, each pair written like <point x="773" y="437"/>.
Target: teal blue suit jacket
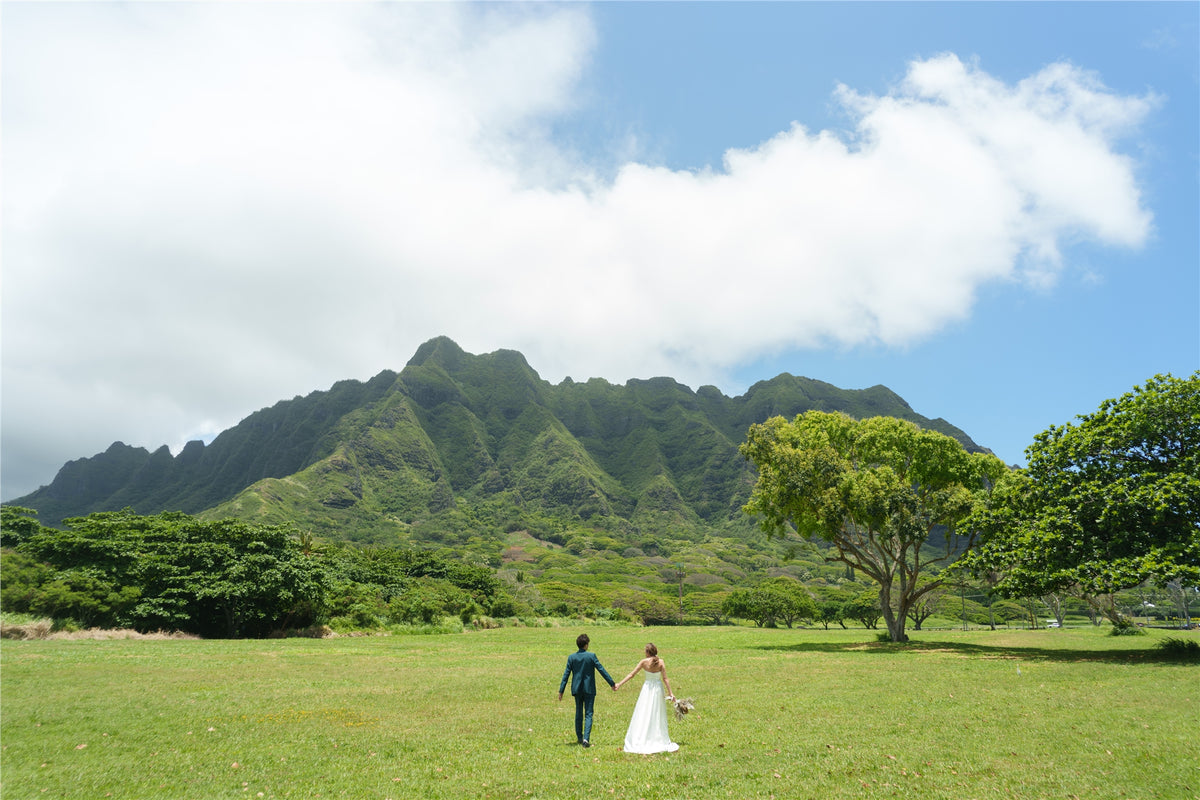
<point x="583" y="666"/>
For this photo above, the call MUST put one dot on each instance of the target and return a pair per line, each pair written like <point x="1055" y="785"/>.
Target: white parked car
<point x="1051" y="623"/>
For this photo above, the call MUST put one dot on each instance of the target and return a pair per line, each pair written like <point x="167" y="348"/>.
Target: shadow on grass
<point x="1142" y="656"/>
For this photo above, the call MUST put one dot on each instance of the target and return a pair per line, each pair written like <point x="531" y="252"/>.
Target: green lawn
<point x="780" y="713"/>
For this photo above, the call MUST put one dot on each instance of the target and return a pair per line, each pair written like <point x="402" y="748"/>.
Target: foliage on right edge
<point x="1104" y="504"/>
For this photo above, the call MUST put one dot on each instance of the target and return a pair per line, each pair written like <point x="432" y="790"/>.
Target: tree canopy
<point x="174" y="572"/>
<point x="224" y="578"/>
<point x="1105" y="503"/>
<point x="771" y="602"/>
<point x="883" y="491"/>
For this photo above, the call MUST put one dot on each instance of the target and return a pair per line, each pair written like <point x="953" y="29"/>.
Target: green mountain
<point x="457" y="446"/>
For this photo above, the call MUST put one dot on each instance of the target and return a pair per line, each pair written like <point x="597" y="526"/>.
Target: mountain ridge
<point x="453" y="433"/>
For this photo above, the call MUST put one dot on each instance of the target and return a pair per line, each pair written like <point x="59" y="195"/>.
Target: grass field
<point x="780" y="713"/>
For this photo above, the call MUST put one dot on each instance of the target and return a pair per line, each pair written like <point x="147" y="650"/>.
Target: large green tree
<point x="1105" y="503"/>
<point x="172" y="571"/>
<point x="888" y="495"/>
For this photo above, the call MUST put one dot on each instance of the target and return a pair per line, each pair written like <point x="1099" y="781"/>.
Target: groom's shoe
<point x="586" y="743"/>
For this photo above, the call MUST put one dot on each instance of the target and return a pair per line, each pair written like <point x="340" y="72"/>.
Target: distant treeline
<point x="224" y="578"/>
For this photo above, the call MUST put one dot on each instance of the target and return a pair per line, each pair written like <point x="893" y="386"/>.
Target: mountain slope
<point x="454" y="436"/>
<point x="273" y="442"/>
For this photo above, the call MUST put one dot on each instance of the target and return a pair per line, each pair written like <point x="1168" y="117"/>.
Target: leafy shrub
<point x="1183" y="649"/>
<point x="503" y="606"/>
<point x="442" y="626"/>
<point x="362" y="615"/>
<point x="311" y="632"/>
<point x="350" y="624"/>
<point x="415" y="607"/>
<point x="467" y="612"/>
<point x="1128" y="629"/>
<point x="612" y="614"/>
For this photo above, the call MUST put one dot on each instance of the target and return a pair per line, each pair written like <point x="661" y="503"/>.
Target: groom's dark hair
<point x="582" y="641"/>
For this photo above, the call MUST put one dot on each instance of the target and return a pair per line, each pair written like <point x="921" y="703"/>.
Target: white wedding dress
<point x="648" y="728"/>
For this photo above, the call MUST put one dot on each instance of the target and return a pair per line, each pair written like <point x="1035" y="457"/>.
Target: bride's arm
<point x="622" y="682"/>
<point x="666" y="682"/>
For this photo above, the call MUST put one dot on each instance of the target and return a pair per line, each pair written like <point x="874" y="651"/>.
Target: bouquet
<point x="683" y="705"/>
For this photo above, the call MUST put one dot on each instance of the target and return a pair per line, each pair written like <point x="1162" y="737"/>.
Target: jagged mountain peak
<point x="376" y="460"/>
<point x="441" y="350"/>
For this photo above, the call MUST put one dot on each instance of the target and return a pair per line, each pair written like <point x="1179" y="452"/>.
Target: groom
<point x="583" y="686"/>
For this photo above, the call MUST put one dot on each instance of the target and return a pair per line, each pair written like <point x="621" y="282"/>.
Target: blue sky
<point x="733" y="75"/>
<point x="990" y="208"/>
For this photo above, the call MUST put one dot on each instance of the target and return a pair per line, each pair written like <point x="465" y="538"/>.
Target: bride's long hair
<point x="652" y="652"/>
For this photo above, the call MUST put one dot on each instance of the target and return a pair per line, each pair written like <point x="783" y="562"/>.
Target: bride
<point x="648" y="728"/>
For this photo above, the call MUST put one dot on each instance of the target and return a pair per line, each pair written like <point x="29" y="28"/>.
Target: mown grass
<point x="780" y="713"/>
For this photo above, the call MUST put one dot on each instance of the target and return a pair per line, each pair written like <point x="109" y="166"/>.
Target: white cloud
<point x="210" y="207"/>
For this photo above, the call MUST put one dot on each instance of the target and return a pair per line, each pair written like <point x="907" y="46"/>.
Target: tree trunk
<point x="1106" y="604"/>
<point x="1179" y="597"/>
<point x="895" y="618"/>
<point x="1054" y="603"/>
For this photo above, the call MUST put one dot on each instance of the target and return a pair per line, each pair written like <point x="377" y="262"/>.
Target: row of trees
<point x="223" y="578"/>
<point x="1104" y="505"/>
<point x="785" y="601"/>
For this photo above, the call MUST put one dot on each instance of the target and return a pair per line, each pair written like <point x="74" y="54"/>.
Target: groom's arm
<point x="604" y="672"/>
<point x="563" y="684"/>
